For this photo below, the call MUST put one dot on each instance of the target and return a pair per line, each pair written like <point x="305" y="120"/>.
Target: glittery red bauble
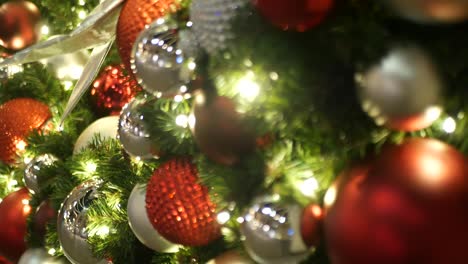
<point x="178" y="207"/>
<point x="311" y="224"/>
<point x="298" y="15"/>
<point x="408" y="205"/>
<point x="18" y="117"/>
<point x="18" y="24"/>
<point x="135" y="15"/>
<point x="14" y="211"/>
<point x="219" y="130"/>
<point x="112" y="89"/>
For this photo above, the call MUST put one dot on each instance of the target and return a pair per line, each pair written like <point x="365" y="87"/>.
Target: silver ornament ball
<point x="133" y="132"/>
<point x="72" y="223"/>
<point x="272" y="233"/>
<point x="38" y="256"/>
<point x="403" y="91"/>
<point x="212" y="22"/>
<point x="142" y="227"/>
<point x="161" y="67"/>
<point x="31" y="179"/>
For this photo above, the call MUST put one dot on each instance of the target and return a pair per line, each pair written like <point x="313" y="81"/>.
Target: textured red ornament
<point x="178" y="207"/>
<point x="311" y="224"/>
<point x="135" y="15"/>
<point x="18" y="24"/>
<point x="220" y="131"/>
<point x="112" y="89"/>
<point x="18" y="117"/>
<point x="14" y="211"/>
<point x="409" y="205"/>
<point x="298" y="15"/>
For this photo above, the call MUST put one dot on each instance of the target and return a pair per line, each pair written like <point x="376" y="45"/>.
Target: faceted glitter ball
<point x="133" y="131"/>
<point x="212" y="22"/>
<point x="31" y="179"/>
<point x="112" y="89"/>
<point x="272" y="233"/>
<point x="135" y="15"/>
<point x="179" y="207"/>
<point x="157" y="61"/>
<point x="19" y="117"/>
<point x="72" y="223"/>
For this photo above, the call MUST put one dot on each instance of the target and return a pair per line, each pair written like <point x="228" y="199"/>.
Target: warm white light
<point x="20" y="145"/>
<point x="67" y="85"/>
<point x="223" y="217"/>
<point x="178" y="98"/>
<point x="71" y="71"/>
<point x="330" y="196"/>
<point x="81" y="2"/>
<point x="189" y="23"/>
<point x="192" y="121"/>
<point x="274" y="76"/>
<point x="103" y="231"/>
<point x="433" y="113"/>
<point x="12" y="184"/>
<point x="309" y="187"/>
<point x="247" y="88"/>
<point x="25" y="201"/>
<point x="192" y="65"/>
<point x="449" y="125"/>
<point x="90" y="167"/>
<point x="182" y="120"/>
<point x="45" y="30"/>
<point x="52" y="251"/>
<point x="13" y="69"/>
<point x="240" y="220"/>
<point x="82" y="14"/>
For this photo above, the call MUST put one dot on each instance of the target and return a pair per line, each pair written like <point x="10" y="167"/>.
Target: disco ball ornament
<point x="112" y="89"/>
<point x="158" y="63"/>
<point x="72" y="223"/>
<point x="431" y="11"/>
<point x="104" y="128"/>
<point x="220" y="131"/>
<point x="18" y="118"/>
<point x="14" y="212"/>
<point x="141" y="226"/>
<point x="134" y="17"/>
<point x="403" y="92"/>
<point x="405" y="205"/>
<point x="133" y="131"/>
<point x="299" y="15"/>
<point x="213" y="22"/>
<point x="272" y="233"/>
<point x="18" y="24"/>
<point x="178" y="207"/>
<point x="31" y="179"/>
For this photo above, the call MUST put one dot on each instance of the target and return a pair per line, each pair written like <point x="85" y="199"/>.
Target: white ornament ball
<point x="105" y="127"/>
<point x="141" y="226"/>
<point x="231" y="257"/>
<point x="402" y="92"/>
<point x="38" y="256"/>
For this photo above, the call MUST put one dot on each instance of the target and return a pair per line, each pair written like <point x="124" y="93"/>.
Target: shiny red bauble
<point x="179" y="207"/>
<point x="112" y="89"/>
<point x="14" y="211"/>
<point x="311" y="224"/>
<point x="135" y="15"/>
<point x="408" y="205"/>
<point x="44" y="215"/>
<point x="18" y="24"/>
<point x="298" y="15"/>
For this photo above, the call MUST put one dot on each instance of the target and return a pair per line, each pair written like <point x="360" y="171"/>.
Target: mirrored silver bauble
<point x="161" y="67"/>
<point x="72" y="222"/>
<point x="31" y="171"/>
<point x="403" y="92"/>
<point x="272" y="233"/>
<point x="140" y="224"/>
<point x="38" y="256"/>
<point x="213" y="22"/>
<point x="133" y="132"/>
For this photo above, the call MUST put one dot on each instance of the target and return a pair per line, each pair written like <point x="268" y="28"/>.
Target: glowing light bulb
<point x="90" y="167"/>
<point x="182" y="120"/>
<point x="247" y="88"/>
<point x="449" y="125"/>
<point x="82" y="14"/>
<point x="223" y="217"/>
<point x="309" y="187"/>
<point x="51" y="251"/>
<point x="45" y="30"/>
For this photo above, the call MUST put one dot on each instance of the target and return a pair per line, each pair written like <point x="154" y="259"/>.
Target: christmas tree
<point x="234" y="131"/>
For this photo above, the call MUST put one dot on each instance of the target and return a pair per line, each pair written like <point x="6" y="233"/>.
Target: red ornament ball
<point x="18" y="24"/>
<point x="18" y="117"/>
<point x="408" y="205"/>
<point x="134" y="16"/>
<point x="298" y="15"/>
<point x="112" y="89"/>
<point x="44" y="215"/>
<point x="14" y="210"/>
<point x="3" y="260"/>
<point x="311" y="224"/>
<point x="178" y="207"/>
